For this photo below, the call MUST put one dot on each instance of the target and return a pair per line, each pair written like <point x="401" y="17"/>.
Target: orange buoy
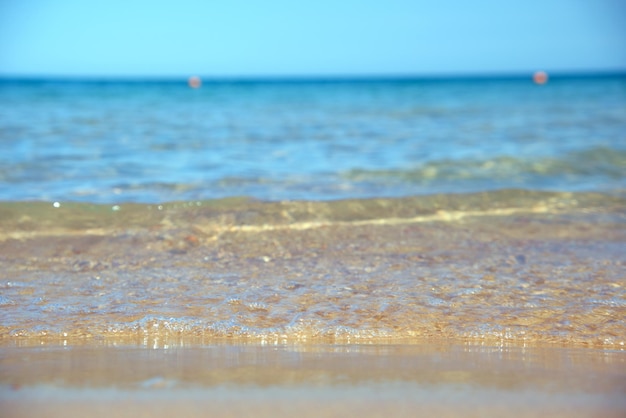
<point x="194" y="82"/>
<point x="540" y="77"/>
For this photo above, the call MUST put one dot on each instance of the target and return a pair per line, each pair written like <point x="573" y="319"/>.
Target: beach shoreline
<point x="507" y="304"/>
<point x="316" y="380"/>
<point x="516" y="268"/>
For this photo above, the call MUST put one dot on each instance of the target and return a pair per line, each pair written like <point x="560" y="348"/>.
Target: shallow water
<point x="508" y="267"/>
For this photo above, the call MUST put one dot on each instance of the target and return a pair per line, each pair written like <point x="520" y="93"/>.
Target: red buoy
<point x="540" y="77"/>
<point x="194" y="82"/>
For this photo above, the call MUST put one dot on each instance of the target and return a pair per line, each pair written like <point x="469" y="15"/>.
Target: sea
<point x="442" y="226"/>
<point x="112" y="142"/>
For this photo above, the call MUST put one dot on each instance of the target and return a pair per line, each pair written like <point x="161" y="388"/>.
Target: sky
<point x="238" y="38"/>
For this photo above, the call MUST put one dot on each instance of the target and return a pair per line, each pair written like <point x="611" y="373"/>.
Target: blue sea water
<point x="155" y="141"/>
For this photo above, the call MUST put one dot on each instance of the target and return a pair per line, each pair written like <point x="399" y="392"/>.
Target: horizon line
<point x="312" y="77"/>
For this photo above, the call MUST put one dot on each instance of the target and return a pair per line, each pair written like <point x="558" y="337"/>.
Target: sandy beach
<point x="505" y="305"/>
<point x="312" y="381"/>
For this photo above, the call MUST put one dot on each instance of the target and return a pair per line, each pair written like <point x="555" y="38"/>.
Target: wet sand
<point x="503" y="304"/>
<point x="229" y="380"/>
<point x="370" y="401"/>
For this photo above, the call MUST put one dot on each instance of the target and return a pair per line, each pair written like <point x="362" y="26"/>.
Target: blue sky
<point x="234" y="38"/>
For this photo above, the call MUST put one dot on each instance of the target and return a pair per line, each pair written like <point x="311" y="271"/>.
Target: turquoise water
<point x="156" y="141"/>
